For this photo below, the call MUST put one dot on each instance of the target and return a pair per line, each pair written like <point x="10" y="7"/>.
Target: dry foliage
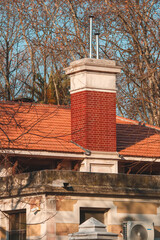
<point x="40" y="38"/>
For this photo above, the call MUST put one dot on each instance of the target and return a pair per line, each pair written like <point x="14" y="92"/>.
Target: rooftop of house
<point x="45" y="127"/>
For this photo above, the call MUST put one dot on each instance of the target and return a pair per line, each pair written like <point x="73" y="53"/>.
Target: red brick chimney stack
<point x="93" y="103"/>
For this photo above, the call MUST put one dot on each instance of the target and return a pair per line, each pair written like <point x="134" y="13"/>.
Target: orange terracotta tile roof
<point x="36" y="127"/>
<point x="26" y="126"/>
<point x="137" y="139"/>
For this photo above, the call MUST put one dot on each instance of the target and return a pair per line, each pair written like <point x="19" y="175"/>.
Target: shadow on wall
<point x="3" y="233"/>
<point x="132" y="135"/>
<point x="157" y="233"/>
<point x="145" y="212"/>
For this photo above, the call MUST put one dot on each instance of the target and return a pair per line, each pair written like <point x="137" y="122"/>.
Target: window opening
<point x="17" y="225"/>
<point x="98" y="213"/>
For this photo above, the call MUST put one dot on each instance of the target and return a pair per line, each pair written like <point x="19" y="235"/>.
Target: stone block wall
<point x="117" y="211"/>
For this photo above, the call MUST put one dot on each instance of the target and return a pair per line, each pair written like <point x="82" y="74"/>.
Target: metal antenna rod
<point x="91" y="33"/>
<point x="97" y="44"/>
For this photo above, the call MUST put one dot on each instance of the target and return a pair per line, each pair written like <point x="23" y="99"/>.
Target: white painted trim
<point x="125" y="199"/>
<point x="96" y="67"/>
<point x="103" y="155"/>
<point x="43" y="153"/>
<point x="141" y="159"/>
<point x="99" y="165"/>
<point x="80" y="156"/>
<point x="92" y="89"/>
<point x="117" y="156"/>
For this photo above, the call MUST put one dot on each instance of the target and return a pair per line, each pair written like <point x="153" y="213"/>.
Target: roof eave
<point x="13" y="152"/>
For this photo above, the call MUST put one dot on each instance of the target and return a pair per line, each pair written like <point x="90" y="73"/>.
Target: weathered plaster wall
<point x="35" y="220"/>
<point x="119" y="210"/>
<point x="126" y="197"/>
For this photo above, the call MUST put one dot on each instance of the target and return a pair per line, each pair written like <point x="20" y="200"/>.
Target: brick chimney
<point x="93" y="103"/>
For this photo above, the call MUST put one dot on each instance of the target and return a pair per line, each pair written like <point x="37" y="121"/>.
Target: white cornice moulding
<point x="103" y="155"/>
<point x="79" y="156"/>
<point x="140" y="159"/>
<point x="93" y="65"/>
<point x="92" y="89"/>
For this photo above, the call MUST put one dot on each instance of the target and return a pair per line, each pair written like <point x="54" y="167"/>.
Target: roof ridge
<point x="34" y="104"/>
<point x="127" y="119"/>
<point x="137" y="122"/>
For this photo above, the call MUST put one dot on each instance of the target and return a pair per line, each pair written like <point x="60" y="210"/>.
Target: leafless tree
<point x="134" y="38"/>
<point x="53" y="33"/>
<point x="12" y="54"/>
